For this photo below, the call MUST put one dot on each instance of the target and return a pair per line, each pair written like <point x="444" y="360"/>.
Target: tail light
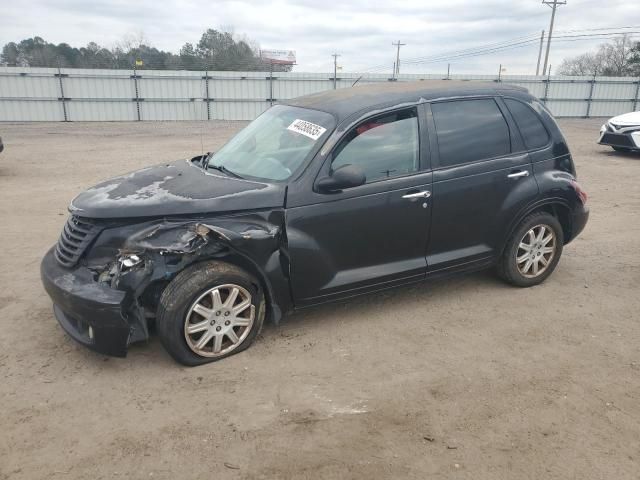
<point x="582" y="195"/>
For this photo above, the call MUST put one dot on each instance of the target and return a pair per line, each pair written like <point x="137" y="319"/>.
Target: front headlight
<point x="128" y="261"/>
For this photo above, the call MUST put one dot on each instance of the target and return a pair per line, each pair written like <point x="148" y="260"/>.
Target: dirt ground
<point x="467" y="378"/>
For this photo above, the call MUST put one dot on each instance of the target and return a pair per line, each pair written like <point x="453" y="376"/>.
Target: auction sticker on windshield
<point x="308" y="129"/>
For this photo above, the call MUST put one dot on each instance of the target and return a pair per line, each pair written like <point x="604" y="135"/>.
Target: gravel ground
<point x="466" y="378"/>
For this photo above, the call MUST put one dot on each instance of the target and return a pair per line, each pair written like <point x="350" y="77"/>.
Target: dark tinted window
<point x="470" y="130"/>
<point x="384" y="146"/>
<point x="533" y="132"/>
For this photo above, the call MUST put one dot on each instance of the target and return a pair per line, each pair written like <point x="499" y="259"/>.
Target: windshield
<point x="275" y="144"/>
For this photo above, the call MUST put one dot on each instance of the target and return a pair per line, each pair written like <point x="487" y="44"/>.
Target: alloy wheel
<point x="536" y="251"/>
<point x="219" y="320"/>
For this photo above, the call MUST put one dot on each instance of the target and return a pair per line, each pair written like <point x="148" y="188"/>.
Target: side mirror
<point x="346" y="176"/>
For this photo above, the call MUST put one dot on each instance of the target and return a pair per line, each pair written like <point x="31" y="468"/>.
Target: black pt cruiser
<point x="321" y="198"/>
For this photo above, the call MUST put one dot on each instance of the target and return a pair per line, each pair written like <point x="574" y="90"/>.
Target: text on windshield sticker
<point x="308" y="129"/>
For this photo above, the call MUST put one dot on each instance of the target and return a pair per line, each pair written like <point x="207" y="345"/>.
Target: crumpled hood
<point x="626" y="119"/>
<point x="178" y="188"/>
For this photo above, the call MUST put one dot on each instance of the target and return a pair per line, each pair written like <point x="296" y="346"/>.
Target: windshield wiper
<point x="223" y="169"/>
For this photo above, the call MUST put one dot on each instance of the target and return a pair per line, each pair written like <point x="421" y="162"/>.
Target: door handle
<point x="522" y="173"/>
<point x="423" y="194"/>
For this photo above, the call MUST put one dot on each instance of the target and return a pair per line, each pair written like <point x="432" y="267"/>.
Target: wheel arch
<point x="557" y="207"/>
<point x="274" y="312"/>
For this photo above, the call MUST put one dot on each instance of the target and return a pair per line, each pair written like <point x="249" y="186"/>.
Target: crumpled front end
<point x="105" y="293"/>
<point x="91" y="313"/>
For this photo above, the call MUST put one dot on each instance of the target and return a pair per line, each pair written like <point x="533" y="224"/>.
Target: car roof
<point x="345" y="102"/>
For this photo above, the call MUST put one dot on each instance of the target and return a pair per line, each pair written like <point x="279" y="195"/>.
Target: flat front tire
<point x="533" y="251"/>
<point x="209" y="311"/>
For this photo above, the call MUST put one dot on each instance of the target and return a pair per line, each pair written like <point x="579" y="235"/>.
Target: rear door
<point x="482" y="178"/>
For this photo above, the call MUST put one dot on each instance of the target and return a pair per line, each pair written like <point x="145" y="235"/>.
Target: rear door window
<point x="470" y="130"/>
<point x="533" y="132"/>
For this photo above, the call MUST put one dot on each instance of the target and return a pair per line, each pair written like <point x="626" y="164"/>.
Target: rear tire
<point x="533" y="251"/>
<point x="209" y="311"/>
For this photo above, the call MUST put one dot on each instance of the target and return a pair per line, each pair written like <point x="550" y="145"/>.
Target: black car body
<point x="443" y="177"/>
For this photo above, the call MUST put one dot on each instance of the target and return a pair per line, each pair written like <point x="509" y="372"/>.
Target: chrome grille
<point x="76" y="235"/>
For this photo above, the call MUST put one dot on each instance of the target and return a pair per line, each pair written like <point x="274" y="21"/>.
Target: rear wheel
<point x="533" y="251"/>
<point x="210" y="311"/>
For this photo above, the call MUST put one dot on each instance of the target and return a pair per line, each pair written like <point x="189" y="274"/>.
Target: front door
<point x="368" y="237"/>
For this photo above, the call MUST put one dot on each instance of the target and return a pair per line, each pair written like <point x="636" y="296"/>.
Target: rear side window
<point x="533" y="132"/>
<point x="470" y="130"/>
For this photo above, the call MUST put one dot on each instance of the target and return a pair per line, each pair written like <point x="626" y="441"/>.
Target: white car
<point x="622" y="133"/>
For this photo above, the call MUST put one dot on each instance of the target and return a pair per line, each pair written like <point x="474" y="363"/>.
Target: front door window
<point x="383" y="147"/>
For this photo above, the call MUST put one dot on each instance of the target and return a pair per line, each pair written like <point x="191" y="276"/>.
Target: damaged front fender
<point x="151" y="255"/>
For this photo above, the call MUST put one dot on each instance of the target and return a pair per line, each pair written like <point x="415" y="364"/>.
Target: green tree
<point x="216" y="50"/>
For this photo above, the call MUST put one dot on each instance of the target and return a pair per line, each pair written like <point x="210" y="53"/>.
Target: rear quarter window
<point x="534" y="134"/>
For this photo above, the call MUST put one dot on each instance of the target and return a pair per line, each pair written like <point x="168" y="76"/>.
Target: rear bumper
<point x="90" y="313"/>
<point x="579" y="220"/>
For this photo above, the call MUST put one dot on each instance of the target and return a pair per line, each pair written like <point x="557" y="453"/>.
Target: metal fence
<point x="50" y="94"/>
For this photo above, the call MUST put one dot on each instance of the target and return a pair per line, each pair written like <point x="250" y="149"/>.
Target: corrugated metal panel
<point x="610" y="109"/>
<point x="177" y="110"/>
<point x="180" y="95"/>
<point x="611" y="90"/>
<point x="31" y="111"/>
<point x="237" y="110"/>
<point x="171" y="87"/>
<point x="567" y="109"/>
<point x="576" y="89"/>
<point x="29" y="86"/>
<point x="290" y="88"/>
<point x="92" y="111"/>
<point x="98" y="87"/>
<point x="243" y="89"/>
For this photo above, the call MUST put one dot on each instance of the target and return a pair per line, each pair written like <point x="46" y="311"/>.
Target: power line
<point x="501" y="46"/>
<point x="530" y="43"/>
<point x="509" y="42"/>
<point x="411" y="59"/>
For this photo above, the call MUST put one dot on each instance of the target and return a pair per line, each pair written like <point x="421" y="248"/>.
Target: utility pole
<point x="540" y="53"/>
<point x="553" y="4"/>
<point x="397" y="67"/>
<point x="335" y="68"/>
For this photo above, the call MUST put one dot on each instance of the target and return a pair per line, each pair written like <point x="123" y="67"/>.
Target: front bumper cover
<point x="630" y="139"/>
<point x="90" y="313"/>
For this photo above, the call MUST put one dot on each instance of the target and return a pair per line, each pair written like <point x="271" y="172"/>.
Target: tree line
<point x="216" y="50"/>
<point x="619" y="58"/>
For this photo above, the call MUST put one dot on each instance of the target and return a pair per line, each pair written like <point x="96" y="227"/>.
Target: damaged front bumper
<point x="90" y="312"/>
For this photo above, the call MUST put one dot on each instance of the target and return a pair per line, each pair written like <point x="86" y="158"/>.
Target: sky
<point x="361" y="31"/>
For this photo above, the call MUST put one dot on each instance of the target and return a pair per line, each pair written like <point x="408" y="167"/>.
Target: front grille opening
<point x="617" y="140"/>
<point x="76" y="236"/>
